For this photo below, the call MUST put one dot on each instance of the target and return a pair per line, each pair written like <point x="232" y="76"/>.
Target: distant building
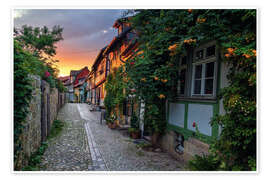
<point x="79" y="84"/>
<point x="76" y="85"/>
<point x="98" y="78"/>
<point x="111" y="57"/>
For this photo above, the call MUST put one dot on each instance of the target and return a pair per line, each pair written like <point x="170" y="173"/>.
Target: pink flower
<point x="194" y="124"/>
<point x="47" y="74"/>
<point x="132" y="63"/>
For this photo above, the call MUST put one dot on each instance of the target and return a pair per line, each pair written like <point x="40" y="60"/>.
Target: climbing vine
<point x="22" y="95"/>
<point x="114" y="87"/>
<point x="166" y="35"/>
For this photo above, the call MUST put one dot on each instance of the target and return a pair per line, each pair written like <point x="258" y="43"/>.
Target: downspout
<point x="141" y="115"/>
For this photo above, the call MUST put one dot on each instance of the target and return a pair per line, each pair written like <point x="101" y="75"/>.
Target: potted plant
<point x="134" y="133"/>
<point x="111" y="121"/>
<point x="134" y="130"/>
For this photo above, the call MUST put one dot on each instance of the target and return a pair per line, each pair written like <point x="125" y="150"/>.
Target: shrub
<point x="204" y="163"/>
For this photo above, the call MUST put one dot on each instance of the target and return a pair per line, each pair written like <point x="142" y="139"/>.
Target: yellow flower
<point x="246" y="56"/>
<point x="254" y="52"/>
<point x="172" y="47"/>
<point x="143" y="79"/>
<point x="227" y="55"/>
<point x="201" y="20"/>
<point x="189" y="41"/>
<point x="161" y="96"/>
<point x="231" y="51"/>
<point x="164" y="80"/>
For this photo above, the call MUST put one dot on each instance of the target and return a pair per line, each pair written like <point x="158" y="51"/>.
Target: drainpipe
<point x="142" y="108"/>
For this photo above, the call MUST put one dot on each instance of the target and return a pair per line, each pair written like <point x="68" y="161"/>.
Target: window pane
<point x="210" y="51"/>
<point x="197" y="87"/>
<point x="208" y="86"/>
<point x="182" y="81"/>
<point x="209" y="72"/>
<point x="199" y="54"/>
<point x="198" y="71"/>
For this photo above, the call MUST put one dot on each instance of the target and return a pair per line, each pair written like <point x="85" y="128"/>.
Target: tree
<point x="41" y="43"/>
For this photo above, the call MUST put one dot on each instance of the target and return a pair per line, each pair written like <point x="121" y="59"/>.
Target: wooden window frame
<point x="203" y="62"/>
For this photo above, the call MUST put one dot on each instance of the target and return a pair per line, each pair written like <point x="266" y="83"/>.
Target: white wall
<point x="177" y="114"/>
<point x="200" y="114"/>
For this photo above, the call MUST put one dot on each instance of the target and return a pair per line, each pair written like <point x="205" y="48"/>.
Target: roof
<point x="64" y="78"/>
<point x="74" y="72"/>
<point x="67" y="83"/>
<point x="82" y="75"/>
<point x="79" y="84"/>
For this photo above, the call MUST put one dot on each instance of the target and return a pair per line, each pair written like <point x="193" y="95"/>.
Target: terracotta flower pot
<point x="116" y="122"/>
<point x="109" y="125"/>
<point x="113" y="126"/>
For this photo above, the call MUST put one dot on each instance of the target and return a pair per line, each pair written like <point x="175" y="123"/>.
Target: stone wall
<point x="192" y="147"/>
<point x="31" y="137"/>
<point x="43" y="111"/>
<point x="53" y="104"/>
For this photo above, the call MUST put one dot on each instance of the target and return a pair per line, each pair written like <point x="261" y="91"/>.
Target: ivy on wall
<point x="114" y="87"/>
<point x="166" y="35"/>
<point x="22" y="95"/>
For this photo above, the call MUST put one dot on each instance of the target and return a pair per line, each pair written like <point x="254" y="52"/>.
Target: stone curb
<point x="98" y="163"/>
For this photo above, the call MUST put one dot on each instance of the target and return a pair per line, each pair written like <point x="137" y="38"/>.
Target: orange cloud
<point x="70" y="60"/>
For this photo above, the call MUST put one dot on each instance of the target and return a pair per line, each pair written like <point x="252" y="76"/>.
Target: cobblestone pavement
<point x="69" y="151"/>
<point x="117" y="152"/>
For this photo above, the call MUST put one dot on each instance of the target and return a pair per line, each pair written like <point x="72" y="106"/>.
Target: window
<point x="182" y="76"/>
<point x="204" y="72"/>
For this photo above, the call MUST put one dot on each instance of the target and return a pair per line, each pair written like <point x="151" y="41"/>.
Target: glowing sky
<point x="85" y="32"/>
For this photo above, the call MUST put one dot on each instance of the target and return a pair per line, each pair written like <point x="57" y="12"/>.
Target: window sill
<point x="198" y="99"/>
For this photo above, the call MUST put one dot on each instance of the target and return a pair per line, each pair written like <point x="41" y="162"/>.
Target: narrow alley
<point x="87" y="145"/>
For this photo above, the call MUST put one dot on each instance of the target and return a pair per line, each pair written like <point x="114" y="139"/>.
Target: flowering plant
<point x="47" y="74"/>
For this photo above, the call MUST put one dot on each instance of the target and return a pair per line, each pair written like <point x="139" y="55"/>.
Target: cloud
<point x="84" y="29"/>
<point x="76" y="23"/>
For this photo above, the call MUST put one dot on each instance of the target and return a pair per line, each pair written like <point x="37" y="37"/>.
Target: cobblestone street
<point x="69" y="151"/>
<point x="85" y="144"/>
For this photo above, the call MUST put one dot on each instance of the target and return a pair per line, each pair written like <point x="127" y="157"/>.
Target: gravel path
<point x="119" y="152"/>
<point x="68" y="151"/>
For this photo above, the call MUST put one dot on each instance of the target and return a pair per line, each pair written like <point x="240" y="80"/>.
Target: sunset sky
<point x="85" y="32"/>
